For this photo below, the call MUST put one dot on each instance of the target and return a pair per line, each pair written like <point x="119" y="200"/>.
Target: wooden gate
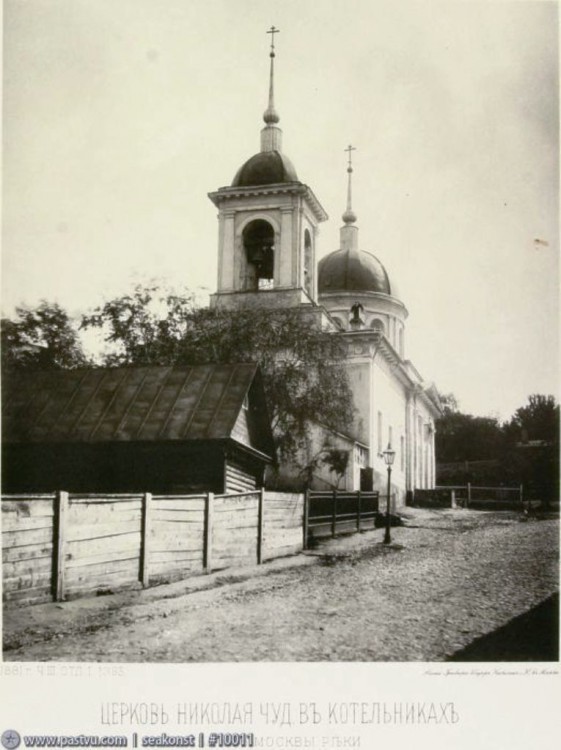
<point x="330" y="513"/>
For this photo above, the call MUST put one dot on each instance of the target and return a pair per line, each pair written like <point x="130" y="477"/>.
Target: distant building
<point x="267" y="258"/>
<point x="152" y="429"/>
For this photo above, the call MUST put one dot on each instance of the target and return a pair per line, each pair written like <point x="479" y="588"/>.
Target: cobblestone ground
<point x="449" y="577"/>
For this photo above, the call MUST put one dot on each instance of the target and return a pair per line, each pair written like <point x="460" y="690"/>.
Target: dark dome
<point x="265" y="168"/>
<point x="343" y="271"/>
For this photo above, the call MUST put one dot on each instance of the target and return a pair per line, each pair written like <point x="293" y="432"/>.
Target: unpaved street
<point x="450" y="577"/>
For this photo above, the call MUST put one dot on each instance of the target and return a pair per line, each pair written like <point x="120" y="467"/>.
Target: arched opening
<point x="259" y="244"/>
<point x="378" y="325"/>
<point x="308" y="277"/>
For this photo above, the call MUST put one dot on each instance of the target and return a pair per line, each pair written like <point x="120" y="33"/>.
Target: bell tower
<point x="268" y="226"/>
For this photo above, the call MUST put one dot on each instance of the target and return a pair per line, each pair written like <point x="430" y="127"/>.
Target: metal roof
<point x="265" y="168"/>
<point x="125" y="404"/>
<point x="352" y="272"/>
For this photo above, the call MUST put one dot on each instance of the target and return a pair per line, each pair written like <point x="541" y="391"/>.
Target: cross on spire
<point x="350" y="150"/>
<point x="272" y="31"/>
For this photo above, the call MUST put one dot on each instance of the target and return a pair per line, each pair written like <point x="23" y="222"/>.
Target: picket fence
<point x="60" y="546"/>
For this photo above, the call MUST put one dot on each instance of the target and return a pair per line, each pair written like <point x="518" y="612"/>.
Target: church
<point x="268" y="258"/>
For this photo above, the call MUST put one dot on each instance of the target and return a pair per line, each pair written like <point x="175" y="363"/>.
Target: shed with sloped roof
<point x="154" y="429"/>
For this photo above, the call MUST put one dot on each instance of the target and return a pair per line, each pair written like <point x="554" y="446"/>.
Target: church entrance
<point x="367" y="479"/>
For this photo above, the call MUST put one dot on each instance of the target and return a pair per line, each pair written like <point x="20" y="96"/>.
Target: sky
<point x="121" y="115"/>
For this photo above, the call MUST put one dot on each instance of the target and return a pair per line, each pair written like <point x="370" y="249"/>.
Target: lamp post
<point x="389" y="456"/>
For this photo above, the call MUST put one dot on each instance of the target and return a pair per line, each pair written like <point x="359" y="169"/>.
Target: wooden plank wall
<point x="59" y="546"/>
<point x="27" y="548"/>
<point x="234" y="530"/>
<point x="282" y="524"/>
<point x="176" y="537"/>
<point x="238" y="480"/>
<point x="102" y="543"/>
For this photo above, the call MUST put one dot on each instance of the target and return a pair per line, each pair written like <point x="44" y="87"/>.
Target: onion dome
<point x="265" y="168"/>
<point x="352" y="271"/>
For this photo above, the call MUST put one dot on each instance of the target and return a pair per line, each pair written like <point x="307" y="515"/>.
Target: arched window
<point x="308" y="277"/>
<point x="378" y="325"/>
<point x="259" y="244"/>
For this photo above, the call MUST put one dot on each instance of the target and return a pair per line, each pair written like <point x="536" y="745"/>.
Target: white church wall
<point x="292" y="475"/>
<point x="360" y="380"/>
<point x="388" y="426"/>
<point x="386" y="411"/>
<point x="423" y="458"/>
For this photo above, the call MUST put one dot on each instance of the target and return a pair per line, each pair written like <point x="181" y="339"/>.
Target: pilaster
<point x="226" y="270"/>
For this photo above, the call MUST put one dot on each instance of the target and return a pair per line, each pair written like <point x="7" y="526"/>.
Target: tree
<point x="523" y="450"/>
<point x="337" y="461"/>
<point x="537" y="420"/>
<point x="304" y="376"/>
<point x="43" y="337"/>
<point x="463" y="437"/>
<point x="449" y="403"/>
<point x="532" y="438"/>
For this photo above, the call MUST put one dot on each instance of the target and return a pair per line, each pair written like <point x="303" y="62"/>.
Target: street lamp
<point x="389" y="456"/>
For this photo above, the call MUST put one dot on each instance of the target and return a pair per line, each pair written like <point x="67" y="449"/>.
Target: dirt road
<point x="449" y="578"/>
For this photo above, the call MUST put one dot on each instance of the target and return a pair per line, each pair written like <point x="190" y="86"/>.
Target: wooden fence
<point x="60" y="546"/>
<point x="329" y="513"/>
<point x="471" y="496"/>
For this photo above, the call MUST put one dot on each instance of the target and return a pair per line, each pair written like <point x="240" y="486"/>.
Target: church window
<point x="377" y="325"/>
<point x="259" y="244"/>
<point x="308" y="265"/>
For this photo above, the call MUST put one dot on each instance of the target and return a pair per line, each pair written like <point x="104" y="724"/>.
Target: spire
<point x="271" y="135"/>
<point x="349" y="217"/>
<point x="270" y="116"/>
<point x="349" y="232"/>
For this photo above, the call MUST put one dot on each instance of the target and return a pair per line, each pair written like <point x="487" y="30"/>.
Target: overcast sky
<point x="121" y="115"/>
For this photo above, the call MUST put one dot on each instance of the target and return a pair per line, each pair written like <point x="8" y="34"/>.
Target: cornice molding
<point x="281" y="188"/>
<point x="378" y="343"/>
<point x="326" y="297"/>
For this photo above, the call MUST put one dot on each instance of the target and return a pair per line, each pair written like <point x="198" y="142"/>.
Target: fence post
<point x="207" y="542"/>
<point x="522" y="498"/>
<point x="260" y="527"/>
<point x="452" y="498"/>
<point x="306" y="515"/>
<point x="145" y="539"/>
<point x="334" y="516"/>
<point x="59" y="544"/>
<point x="359" y="511"/>
<point x="468" y="499"/>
